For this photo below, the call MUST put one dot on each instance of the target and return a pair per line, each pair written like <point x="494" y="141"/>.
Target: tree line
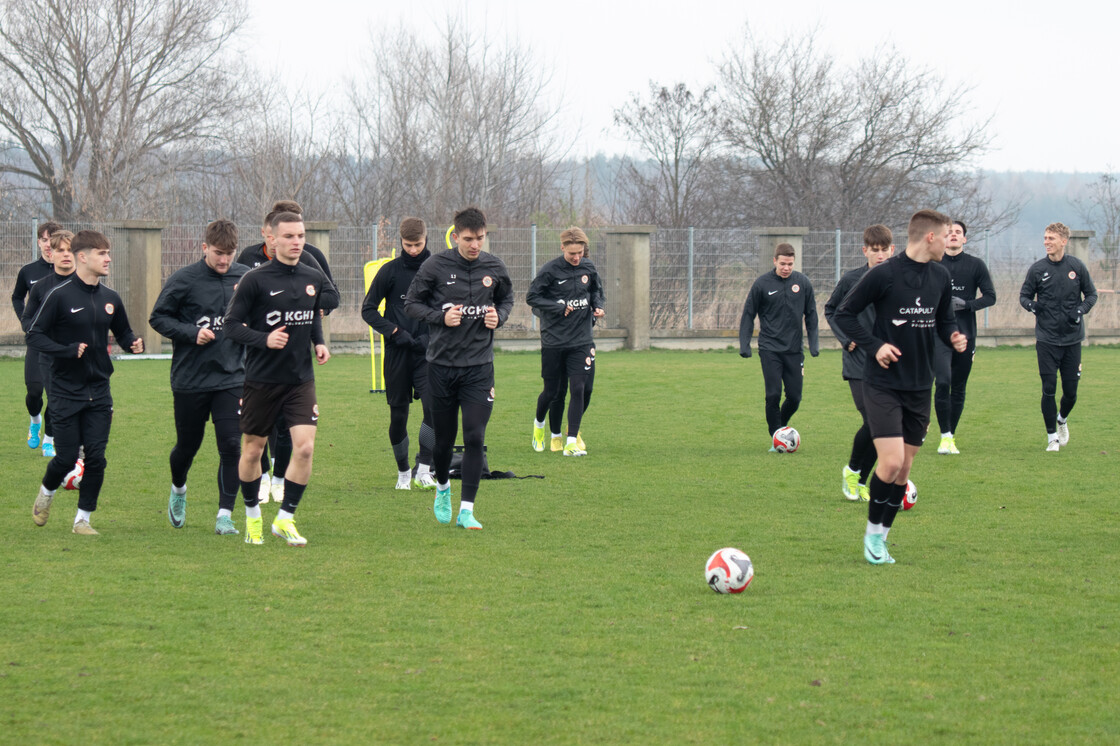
<point x="113" y="109"/>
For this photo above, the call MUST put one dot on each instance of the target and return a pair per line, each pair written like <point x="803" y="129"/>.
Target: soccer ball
<point x="73" y="480"/>
<point x="910" y="497"/>
<point x="729" y="570"/>
<point x="786" y="440"/>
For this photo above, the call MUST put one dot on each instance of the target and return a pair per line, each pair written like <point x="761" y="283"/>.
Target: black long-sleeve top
<point x="559" y="286"/>
<point x="72" y="313"/>
<point x="1058" y="294"/>
<point x="780" y="303"/>
<point x="852" y="361"/>
<point x="912" y="308"/>
<point x="390" y="285"/>
<point x="28" y="276"/>
<point x="969" y="274"/>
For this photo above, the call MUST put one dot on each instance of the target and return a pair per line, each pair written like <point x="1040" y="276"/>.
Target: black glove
<point x="1074" y="317"/>
<point x="959" y="304"/>
<point x="420" y="343"/>
<point x="744" y="353"/>
<point x="401" y="338"/>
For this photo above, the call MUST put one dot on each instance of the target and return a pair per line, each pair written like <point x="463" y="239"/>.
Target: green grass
<point x="580" y="614"/>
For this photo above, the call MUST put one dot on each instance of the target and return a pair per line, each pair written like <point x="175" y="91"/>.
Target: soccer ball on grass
<point x="786" y="440"/>
<point x="910" y="497"/>
<point x="729" y="570"/>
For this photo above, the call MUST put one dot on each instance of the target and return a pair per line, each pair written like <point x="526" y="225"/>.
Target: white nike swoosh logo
<point x="587" y="367"/>
<point x="275" y="292"/>
<point x="451" y="282"/>
<point x="32" y="282"/>
<point x="898" y="322"/>
<point x="75" y="310"/>
<point x="772" y="292"/>
<point x="560" y="282"/>
<point x="314" y="419"/>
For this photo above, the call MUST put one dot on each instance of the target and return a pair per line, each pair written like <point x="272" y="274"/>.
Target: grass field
<point x="580" y="613"/>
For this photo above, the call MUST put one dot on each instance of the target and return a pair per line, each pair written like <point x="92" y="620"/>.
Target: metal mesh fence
<point x="699" y="278"/>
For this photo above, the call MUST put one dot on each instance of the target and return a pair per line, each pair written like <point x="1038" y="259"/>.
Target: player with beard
<point x="406" y="342"/>
<point x="951" y="369"/>
<point x="781" y="299"/>
<point x="273" y="313"/>
<point x="878" y="247"/>
<point x="38" y="432"/>
<point x="912" y="295"/>
<point x="72" y="326"/>
<point x="207" y="368"/>
<point x="463" y="294"/>
<point x="1058" y="291"/>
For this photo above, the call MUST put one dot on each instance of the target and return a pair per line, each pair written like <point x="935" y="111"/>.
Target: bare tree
<point x="1100" y="209"/>
<point x="826" y="147"/>
<point x="91" y="92"/>
<point x="679" y="131"/>
<point x="447" y="123"/>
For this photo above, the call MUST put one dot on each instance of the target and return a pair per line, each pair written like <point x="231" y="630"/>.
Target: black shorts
<point x="263" y="403"/>
<point x="897" y="414"/>
<point x="406" y="375"/>
<point x="193" y="409"/>
<point x="1055" y="358"/>
<point x="449" y="387"/>
<point x="556" y="362"/>
<point x="856" y="386"/>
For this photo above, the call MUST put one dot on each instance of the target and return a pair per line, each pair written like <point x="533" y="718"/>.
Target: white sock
<point x="1051" y="437"/>
<point x="538" y="423"/>
<point x="37" y="419"/>
<point x="466" y="505"/>
<point x="253" y="512"/>
<point x="1061" y="420"/>
<point x="946" y="435"/>
<point x="423" y="469"/>
<point x="557" y="435"/>
<point x="873" y="528"/>
<point x="227" y="513"/>
<point x="277" y="480"/>
<point x="284" y="515"/>
<point x="443" y="486"/>
<point x="48" y="440"/>
<point x="83" y="515"/>
<point x="45" y="491"/>
<point x="179" y="490"/>
<point x="405" y="475"/>
<point x="570" y="441"/>
<point x="885" y="532"/>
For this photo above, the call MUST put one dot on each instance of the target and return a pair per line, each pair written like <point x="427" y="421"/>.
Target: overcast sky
<point x="1044" y="72"/>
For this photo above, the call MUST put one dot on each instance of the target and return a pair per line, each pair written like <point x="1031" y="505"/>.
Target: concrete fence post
<point x="768" y="240"/>
<point x="137" y="274"/>
<point x="630" y="247"/>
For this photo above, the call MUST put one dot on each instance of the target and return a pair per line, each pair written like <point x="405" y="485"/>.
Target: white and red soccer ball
<point x="729" y="570"/>
<point x="910" y="497"/>
<point x="73" y="480"/>
<point x="786" y="440"/>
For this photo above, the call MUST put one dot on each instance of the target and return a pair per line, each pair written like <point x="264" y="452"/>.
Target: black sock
<point x="880" y="493"/>
<point x="897" y="491"/>
<point x="251" y="493"/>
<point x="293" y="493"/>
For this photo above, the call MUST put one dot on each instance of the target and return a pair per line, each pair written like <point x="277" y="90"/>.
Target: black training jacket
<point x="274" y="295"/>
<point x="781" y="304"/>
<point x="559" y="286"/>
<point x="73" y="312"/>
<point x="28" y="276"/>
<point x="391" y="284"/>
<point x="912" y="309"/>
<point x="1058" y="294"/>
<point x="969" y="274"/>
<point x="195" y="298"/>
<point x="447" y="279"/>
<point x="35" y="298"/>
<point x="853" y="362"/>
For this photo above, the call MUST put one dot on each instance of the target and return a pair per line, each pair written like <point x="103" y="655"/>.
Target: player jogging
<point x="911" y="295"/>
<point x="1058" y="291"/>
<point x="207" y="369"/>
<point x="38" y="431"/>
<point x="72" y="326"/>
<point x="463" y="294"/>
<point x="406" y="343"/>
<point x="781" y="299"/>
<point x="279" y="442"/>
<point x="951" y="369"/>
<point x="568" y="295"/>
<point x="273" y="313"/>
<point x="878" y="247"/>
